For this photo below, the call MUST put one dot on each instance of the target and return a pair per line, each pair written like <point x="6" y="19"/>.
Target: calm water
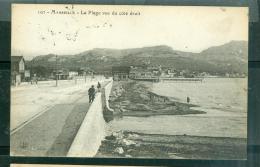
<point x="224" y="100"/>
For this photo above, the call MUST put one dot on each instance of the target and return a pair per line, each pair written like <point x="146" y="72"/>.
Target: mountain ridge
<point x="230" y="57"/>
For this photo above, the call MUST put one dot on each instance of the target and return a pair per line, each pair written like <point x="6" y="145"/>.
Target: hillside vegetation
<point x="228" y="58"/>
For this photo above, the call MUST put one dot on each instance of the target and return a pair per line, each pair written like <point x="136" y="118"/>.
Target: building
<point x="140" y="73"/>
<point x="85" y="71"/>
<point x="120" y="73"/>
<point x="73" y="74"/>
<point x="144" y="72"/>
<point x="17" y="69"/>
<point x="61" y="74"/>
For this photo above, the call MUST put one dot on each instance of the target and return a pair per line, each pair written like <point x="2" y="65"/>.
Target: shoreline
<point x="134" y="98"/>
<point x="126" y="144"/>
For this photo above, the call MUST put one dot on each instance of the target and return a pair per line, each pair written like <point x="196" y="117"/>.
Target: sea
<point x="223" y="99"/>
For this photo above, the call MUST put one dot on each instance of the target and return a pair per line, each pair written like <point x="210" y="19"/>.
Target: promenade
<point x="46" y="119"/>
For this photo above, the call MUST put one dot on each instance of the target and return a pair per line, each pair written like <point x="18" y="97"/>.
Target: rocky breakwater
<point x="135" y="99"/>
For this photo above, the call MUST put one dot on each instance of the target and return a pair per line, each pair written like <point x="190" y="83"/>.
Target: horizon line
<point x="132" y="48"/>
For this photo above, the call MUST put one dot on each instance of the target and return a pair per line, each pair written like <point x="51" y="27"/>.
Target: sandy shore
<point x="136" y="99"/>
<point x="138" y="145"/>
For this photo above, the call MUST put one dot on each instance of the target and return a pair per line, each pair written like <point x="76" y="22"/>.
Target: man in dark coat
<point x="91" y="94"/>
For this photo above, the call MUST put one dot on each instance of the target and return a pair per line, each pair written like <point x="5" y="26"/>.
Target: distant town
<point x="22" y="72"/>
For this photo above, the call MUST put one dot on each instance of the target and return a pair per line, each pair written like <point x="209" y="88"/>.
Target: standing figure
<point x="188" y="99"/>
<point x="91" y="94"/>
<point x="98" y="86"/>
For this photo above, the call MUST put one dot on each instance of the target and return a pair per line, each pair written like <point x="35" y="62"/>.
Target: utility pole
<point x="85" y="71"/>
<point x="56" y="69"/>
<point x="85" y="76"/>
<point x="31" y="72"/>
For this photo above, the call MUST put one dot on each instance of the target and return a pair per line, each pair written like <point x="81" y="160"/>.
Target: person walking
<point x="91" y="94"/>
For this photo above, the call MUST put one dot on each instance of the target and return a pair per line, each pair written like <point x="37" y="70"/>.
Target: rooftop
<point x="15" y="59"/>
<point x="121" y="69"/>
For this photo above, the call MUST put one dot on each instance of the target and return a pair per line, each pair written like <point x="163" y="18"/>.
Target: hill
<point x="228" y="58"/>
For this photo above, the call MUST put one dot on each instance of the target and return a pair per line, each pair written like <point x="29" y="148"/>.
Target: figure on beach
<point x="91" y="94"/>
<point x="98" y="86"/>
<point x="188" y="99"/>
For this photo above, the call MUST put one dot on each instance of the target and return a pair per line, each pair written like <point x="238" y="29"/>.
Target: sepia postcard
<point x="129" y="81"/>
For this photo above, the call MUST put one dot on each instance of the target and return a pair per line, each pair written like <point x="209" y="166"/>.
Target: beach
<point x="173" y="128"/>
<point x="127" y="144"/>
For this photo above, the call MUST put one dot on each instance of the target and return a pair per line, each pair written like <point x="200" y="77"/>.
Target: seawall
<point x="92" y="130"/>
<point x="107" y="92"/>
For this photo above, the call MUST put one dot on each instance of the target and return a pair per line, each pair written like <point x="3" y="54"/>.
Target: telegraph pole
<point x="56" y="69"/>
<point x="85" y="76"/>
<point x="31" y="72"/>
<point x="85" y="71"/>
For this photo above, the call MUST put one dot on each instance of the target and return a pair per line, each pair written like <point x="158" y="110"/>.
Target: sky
<point x="71" y="29"/>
